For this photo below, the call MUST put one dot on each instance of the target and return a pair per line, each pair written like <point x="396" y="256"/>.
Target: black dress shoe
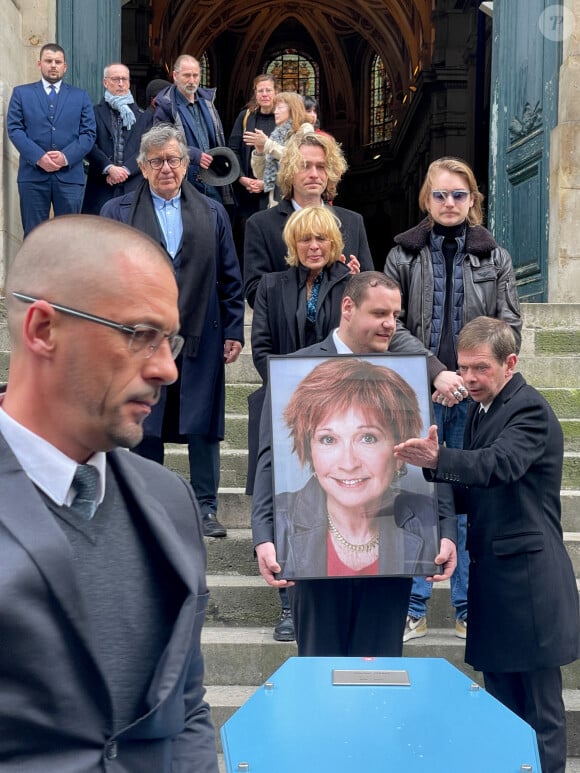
<point x="284" y="631"/>
<point x="211" y="526"/>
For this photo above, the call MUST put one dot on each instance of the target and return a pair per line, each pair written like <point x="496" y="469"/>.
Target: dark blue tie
<point x="51" y="96"/>
<point x="85" y="483"/>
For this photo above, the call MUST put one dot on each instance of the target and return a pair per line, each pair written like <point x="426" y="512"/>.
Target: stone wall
<point x="564" y="244"/>
<point x="24" y="27"/>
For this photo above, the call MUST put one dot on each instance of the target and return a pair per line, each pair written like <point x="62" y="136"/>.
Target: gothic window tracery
<point x="295" y="71"/>
<point x="381" y="101"/>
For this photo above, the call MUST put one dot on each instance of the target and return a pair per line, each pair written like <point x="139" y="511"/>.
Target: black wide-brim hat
<point x="224" y="168"/>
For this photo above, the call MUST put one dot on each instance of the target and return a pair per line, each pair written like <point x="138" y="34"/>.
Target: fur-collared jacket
<point x="489" y="283"/>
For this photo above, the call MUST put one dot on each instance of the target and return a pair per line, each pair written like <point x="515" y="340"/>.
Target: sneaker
<point x="415" y="628"/>
<point x="461" y="628"/>
<point x="211" y="526"/>
<point x="284" y="631"/>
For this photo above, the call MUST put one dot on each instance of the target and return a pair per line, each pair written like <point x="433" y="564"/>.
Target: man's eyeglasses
<point x="118" y="79"/>
<point x="143" y="339"/>
<point x="458" y="195"/>
<point x="157" y="163"/>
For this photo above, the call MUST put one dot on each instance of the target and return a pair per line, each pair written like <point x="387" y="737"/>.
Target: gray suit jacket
<point x="55" y="712"/>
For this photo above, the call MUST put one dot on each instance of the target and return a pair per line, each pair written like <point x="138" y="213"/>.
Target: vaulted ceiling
<point x="341" y="35"/>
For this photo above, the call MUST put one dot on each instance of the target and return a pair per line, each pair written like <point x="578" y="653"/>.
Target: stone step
<point x="237" y="432"/>
<point x="249" y="655"/>
<point x="237" y="397"/>
<point x="571" y="430"/>
<point x="4" y="362"/>
<point x="234" y="465"/>
<point x="249" y="601"/>
<point x="551" y="371"/>
<point x="564" y="400"/>
<point x="235" y="508"/>
<point x="539" y="316"/>
<point x="225" y="700"/>
<point x="234" y="554"/>
<point x="242" y="371"/>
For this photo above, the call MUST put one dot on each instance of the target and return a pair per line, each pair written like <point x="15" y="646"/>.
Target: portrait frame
<point x="311" y="478"/>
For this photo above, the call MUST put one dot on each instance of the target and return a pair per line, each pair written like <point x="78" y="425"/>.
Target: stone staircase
<point x="237" y="639"/>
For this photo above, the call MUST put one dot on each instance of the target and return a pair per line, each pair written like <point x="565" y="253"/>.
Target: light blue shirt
<point x="47" y="467"/>
<point x="170" y="221"/>
<point x="47" y="86"/>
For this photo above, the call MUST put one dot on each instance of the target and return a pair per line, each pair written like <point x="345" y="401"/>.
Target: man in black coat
<point x="523" y="601"/>
<point x="310" y="171"/>
<point x="113" y="168"/>
<point x="196" y="233"/>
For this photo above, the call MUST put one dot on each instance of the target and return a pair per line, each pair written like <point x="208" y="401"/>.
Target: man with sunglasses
<point x="103" y="562"/>
<point x="450" y="270"/>
<point x="196" y="233"/>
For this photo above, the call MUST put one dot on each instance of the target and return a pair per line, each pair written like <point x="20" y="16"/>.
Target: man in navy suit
<point x="52" y="125"/>
<point x="523" y="601"/>
<point x="113" y="168"/>
<point x="103" y="562"/>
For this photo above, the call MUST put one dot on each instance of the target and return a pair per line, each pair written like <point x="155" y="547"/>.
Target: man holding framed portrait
<point x="348" y="615"/>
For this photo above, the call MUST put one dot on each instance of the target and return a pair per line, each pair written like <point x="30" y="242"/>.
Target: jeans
<point x="450" y="427"/>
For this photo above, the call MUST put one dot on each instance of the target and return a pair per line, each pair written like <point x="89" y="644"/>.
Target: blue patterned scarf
<point x="121" y="103"/>
<point x="279" y="134"/>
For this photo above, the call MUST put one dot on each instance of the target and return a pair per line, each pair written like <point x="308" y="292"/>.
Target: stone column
<point x="564" y="244"/>
<point x="25" y="25"/>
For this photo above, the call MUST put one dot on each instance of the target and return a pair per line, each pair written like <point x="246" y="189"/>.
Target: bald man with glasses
<point x="103" y="562"/>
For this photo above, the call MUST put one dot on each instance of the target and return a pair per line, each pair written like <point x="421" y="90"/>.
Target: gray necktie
<point x="85" y="483"/>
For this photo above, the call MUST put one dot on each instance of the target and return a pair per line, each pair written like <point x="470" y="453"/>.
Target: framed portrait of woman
<point x="343" y="505"/>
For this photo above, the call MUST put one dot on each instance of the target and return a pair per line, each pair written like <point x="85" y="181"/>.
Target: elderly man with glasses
<point x="113" y="168"/>
<point x="103" y="562"/>
<point x="196" y="233"/>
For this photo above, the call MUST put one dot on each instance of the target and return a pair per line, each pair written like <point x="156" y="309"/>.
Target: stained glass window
<point x="381" y="117"/>
<point x="295" y="72"/>
<point x="205" y="78"/>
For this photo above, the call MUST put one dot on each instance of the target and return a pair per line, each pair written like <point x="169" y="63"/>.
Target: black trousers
<point x="204" y="466"/>
<point x="350" y="617"/>
<point x="536" y="697"/>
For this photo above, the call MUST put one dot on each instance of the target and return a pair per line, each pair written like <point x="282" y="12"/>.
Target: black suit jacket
<point x="55" y="712"/>
<point x="98" y="192"/>
<point x="265" y="251"/>
<point x="522" y="598"/>
<point x="263" y="500"/>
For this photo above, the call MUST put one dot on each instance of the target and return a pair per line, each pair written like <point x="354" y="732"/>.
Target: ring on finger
<point x="457" y="394"/>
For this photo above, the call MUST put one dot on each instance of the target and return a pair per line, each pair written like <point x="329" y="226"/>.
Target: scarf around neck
<point x="121" y="103"/>
<point x="280" y="134"/>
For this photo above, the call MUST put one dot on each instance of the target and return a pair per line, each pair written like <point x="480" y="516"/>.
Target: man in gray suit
<point x="103" y="564"/>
